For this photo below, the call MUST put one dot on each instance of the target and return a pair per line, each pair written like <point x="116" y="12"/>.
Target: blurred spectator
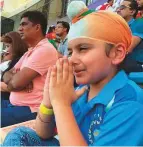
<point x="9" y="53"/>
<point x="116" y="4"/>
<point x="140" y="5"/>
<point x="51" y="33"/>
<point x="26" y="80"/>
<point x="5" y="59"/>
<point x="14" y="50"/>
<point x="5" y="55"/>
<point x="128" y="10"/>
<point x="55" y="42"/>
<point x="106" y="6"/>
<point x="62" y="29"/>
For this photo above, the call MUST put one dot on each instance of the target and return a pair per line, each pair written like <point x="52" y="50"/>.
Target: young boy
<point x="110" y="110"/>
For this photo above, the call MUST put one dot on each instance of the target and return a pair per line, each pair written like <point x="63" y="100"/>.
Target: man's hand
<point x="3" y="87"/>
<point x="21" y="79"/>
<point x="29" y="88"/>
<point x="9" y="74"/>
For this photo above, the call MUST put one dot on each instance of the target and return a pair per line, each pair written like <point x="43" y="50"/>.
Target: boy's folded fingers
<point x="59" y="68"/>
<point x="48" y="78"/>
<point x="53" y="77"/>
<point x="65" y="69"/>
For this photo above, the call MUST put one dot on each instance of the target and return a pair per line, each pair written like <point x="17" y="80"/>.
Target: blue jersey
<point x="114" y="116"/>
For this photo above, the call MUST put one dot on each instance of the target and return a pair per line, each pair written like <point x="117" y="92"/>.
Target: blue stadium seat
<point x="136" y="77"/>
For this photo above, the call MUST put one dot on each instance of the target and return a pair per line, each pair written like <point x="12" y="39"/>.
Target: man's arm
<point x="21" y="79"/>
<point x="9" y="74"/>
<point x="135" y="41"/>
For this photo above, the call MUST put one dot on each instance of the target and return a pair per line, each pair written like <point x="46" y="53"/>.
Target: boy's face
<point x="90" y="61"/>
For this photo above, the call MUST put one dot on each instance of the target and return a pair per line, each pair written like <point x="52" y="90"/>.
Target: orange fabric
<point x="102" y="25"/>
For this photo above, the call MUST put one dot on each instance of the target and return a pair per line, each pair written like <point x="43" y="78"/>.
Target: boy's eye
<point x="83" y="48"/>
<point x="69" y="54"/>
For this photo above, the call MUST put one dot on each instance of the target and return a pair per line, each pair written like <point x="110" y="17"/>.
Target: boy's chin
<point x="81" y="82"/>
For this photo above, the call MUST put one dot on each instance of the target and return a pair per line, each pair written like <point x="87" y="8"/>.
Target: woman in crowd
<point x="15" y="48"/>
<point x="5" y="59"/>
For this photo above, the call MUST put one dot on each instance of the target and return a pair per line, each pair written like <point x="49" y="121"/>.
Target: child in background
<point x="53" y="39"/>
<point x="51" y="33"/>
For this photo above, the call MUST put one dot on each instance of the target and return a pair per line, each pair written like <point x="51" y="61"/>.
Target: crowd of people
<point x="74" y="79"/>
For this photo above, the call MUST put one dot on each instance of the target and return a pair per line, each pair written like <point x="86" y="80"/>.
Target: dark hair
<point x="37" y="17"/>
<point x="133" y="6"/>
<point x="51" y="29"/>
<point x="65" y="25"/>
<point x="19" y="47"/>
<point x="108" y="48"/>
<point x="124" y="64"/>
<point x="109" y="1"/>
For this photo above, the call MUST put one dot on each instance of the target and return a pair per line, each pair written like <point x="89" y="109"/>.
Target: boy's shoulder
<point x="130" y="92"/>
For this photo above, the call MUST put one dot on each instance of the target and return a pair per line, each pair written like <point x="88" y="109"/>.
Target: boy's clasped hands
<point x="59" y="85"/>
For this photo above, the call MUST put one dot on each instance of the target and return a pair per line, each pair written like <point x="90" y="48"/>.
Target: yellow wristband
<point x="45" y="110"/>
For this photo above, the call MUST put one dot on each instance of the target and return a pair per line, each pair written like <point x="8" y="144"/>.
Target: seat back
<point x="136" y="77"/>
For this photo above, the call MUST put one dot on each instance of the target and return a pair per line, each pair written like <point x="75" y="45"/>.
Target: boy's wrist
<point x="47" y="104"/>
<point x="45" y="110"/>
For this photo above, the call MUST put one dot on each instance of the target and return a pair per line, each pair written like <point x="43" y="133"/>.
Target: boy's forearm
<point x="45" y="126"/>
<point x="67" y="127"/>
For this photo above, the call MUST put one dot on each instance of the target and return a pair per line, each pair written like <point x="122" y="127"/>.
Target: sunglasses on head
<point x="124" y="7"/>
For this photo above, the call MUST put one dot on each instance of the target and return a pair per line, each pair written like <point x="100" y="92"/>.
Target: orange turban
<point x="102" y="25"/>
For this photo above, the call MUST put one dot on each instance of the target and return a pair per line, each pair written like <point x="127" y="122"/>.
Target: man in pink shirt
<point x="26" y="80"/>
